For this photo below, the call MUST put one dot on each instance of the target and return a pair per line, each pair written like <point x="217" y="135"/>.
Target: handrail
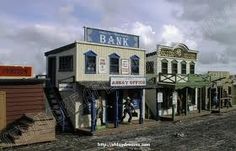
<point x="73" y="79"/>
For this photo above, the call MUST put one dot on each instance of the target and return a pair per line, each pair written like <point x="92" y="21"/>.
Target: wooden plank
<point x="26" y="86"/>
<point x="2" y="110"/>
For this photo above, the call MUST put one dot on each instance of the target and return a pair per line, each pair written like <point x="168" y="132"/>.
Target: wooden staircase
<point x="58" y="109"/>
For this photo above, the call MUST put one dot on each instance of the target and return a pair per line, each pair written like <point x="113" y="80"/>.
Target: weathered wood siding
<point x="20" y="99"/>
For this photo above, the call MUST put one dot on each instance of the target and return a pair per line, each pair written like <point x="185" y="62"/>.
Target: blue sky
<point x="28" y="28"/>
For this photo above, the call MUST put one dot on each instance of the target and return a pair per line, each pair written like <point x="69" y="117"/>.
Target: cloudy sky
<point x="28" y="28"/>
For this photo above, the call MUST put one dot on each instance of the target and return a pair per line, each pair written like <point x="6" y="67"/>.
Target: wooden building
<point x="172" y="68"/>
<point x="19" y="93"/>
<point x="100" y="72"/>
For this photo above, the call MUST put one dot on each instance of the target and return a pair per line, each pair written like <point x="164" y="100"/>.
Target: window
<point x="192" y="68"/>
<point x="164" y="66"/>
<point x="65" y="63"/>
<point x="174" y="66"/>
<point x="183" y="67"/>
<point x="149" y="67"/>
<point x="134" y="64"/>
<point x="90" y="62"/>
<point x="114" y="63"/>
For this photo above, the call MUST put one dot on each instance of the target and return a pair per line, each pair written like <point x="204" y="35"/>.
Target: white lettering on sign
<point x="110" y="40"/>
<point x="102" y="39"/>
<point x="125" y="41"/>
<point x="128" y="81"/>
<point x="118" y="41"/>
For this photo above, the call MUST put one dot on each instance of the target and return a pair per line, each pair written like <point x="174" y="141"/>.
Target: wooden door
<point x="2" y="110"/>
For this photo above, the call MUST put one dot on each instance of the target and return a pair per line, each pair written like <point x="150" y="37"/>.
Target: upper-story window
<point x="65" y="63"/>
<point x="90" y="62"/>
<point x="149" y="67"/>
<point x="114" y="63"/>
<point x="134" y="64"/>
<point x="192" y="68"/>
<point x="174" y="66"/>
<point x="164" y="66"/>
<point x="183" y="67"/>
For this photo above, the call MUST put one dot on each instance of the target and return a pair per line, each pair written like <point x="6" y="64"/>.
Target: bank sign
<point x="110" y="38"/>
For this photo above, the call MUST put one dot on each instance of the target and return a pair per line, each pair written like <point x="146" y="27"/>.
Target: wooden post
<point x="200" y="100"/>
<point x="141" y="107"/>
<point x="2" y="110"/>
<point x="116" y="123"/>
<point x="157" y="107"/>
<point x="186" y="101"/>
<point x="93" y="113"/>
<point x="210" y="100"/>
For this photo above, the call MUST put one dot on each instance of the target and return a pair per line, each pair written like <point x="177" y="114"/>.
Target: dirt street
<point x="211" y="132"/>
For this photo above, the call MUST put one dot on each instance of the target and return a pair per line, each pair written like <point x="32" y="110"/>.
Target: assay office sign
<point x="127" y="81"/>
<point x="110" y="38"/>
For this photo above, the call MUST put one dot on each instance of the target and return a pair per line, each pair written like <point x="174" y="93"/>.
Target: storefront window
<point x="114" y="63"/>
<point x="192" y="68"/>
<point x="134" y="64"/>
<point x="174" y="65"/>
<point x="164" y="66"/>
<point x="150" y="67"/>
<point x="183" y="67"/>
<point x="90" y="62"/>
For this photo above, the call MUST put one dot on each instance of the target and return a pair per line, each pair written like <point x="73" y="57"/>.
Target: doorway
<point x="110" y="105"/>
<point x="52" y="70"/>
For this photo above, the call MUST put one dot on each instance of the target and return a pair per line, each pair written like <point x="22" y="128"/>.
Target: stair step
<point x="53" y="101"/>
<point x="55" y="107"/>
<point x="57" y="112"/>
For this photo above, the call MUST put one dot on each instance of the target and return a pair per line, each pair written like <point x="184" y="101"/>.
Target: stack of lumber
<point x="29" y="129"/>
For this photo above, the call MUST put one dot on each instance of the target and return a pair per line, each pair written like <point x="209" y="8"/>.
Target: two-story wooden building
<point x="100" y="71"/>
<point x="173" y="70"/>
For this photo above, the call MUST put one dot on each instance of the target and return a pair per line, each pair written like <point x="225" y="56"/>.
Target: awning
<point x="105" y="85"/>
<point x="195" y="81"/>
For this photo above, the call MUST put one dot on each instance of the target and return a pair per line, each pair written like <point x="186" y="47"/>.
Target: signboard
<point x="127" y="81"/>
<point x="15" y="71"/>
<point x="125" y="66"/>
<point x="178" y="53"/>
<point x="175" y="94"/>
<point x="110" y="38"/>
<point x="159" y="97"/>
<point x="102" y="65"/>
<point x="66" y="87"/>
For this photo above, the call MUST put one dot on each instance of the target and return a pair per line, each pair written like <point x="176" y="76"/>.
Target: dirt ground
<point x="214" y="132"/>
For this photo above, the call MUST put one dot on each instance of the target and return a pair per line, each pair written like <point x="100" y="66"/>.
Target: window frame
<point x="62" y="66"/>
<point x="184" y="63"/>
<point x="132" y="65"/>
<point x="149" y="65"/>
<point x="91" y="54"/>
<point x="114" y="56"/>
<point x="174" y="62"/>
<point x="192" y="64"/>
<point x="162" y="63"/>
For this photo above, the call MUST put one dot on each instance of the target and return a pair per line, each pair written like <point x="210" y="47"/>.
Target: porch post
<point x="200" y="100"/>
<point x="93" y="113"/>
<point x="157" y="107"/>
<point x="141" y="107"/>
<point x="116" y="122"/>
<point x="186" y="101"/>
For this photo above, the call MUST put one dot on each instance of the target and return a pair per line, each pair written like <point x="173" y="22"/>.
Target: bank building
<point x="99" y="72"/>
